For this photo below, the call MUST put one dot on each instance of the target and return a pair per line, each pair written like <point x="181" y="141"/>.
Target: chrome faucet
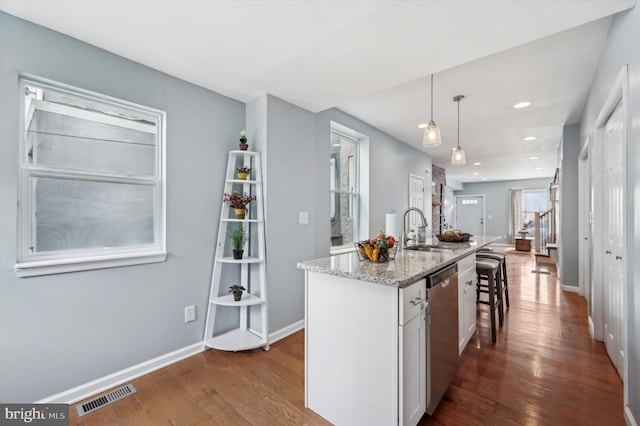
<point x="404" y="238"/>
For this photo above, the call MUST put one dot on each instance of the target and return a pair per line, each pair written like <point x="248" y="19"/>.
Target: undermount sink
<point x="427" y="248"/>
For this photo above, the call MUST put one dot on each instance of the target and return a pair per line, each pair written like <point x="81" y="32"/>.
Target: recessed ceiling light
<point x="484" y="178"/>
<point x="422" y="125"/>
<point x="477" y="164"/>
<point x="538" y="168"/>
<point x="533" y="158"/>
<point x="476" y="174"/>
<point x="530" y="138"/>
<point x="521" y="105"/>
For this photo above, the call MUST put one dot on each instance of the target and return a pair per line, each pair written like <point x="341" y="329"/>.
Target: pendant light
<point x="431" y="136"/>
<point x="457" y="156"/>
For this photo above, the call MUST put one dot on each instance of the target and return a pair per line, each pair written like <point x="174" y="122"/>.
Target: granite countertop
<point x="407" y="267"/>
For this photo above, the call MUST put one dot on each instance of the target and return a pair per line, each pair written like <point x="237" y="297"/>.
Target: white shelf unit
<point x="252" y="330"/>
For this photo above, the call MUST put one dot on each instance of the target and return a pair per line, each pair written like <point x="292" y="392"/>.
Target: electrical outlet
<point x="190" y="313"/>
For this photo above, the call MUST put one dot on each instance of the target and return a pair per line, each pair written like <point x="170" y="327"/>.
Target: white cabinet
<point x="413" y="335"/>
<point x="365" y="347"/>
<point x="467" y="279"/>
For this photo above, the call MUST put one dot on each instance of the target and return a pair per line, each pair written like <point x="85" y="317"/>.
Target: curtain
<point x="515" y="214"/>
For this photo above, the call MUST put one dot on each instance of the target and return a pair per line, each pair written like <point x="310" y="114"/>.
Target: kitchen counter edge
<point x="408" y="266"/>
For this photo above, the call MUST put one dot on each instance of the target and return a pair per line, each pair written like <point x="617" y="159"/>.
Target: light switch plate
<point x="190" y="313"/>
<point x="303" y="218"/>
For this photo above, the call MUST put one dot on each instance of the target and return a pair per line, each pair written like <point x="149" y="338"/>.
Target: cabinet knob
<point x="607" y="252"/>
<point x="618" y="257"/>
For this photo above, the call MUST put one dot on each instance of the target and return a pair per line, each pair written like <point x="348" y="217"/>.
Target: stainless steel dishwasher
<point x="442" y="333"/>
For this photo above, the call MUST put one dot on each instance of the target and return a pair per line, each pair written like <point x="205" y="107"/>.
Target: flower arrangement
<point x="243" y="136"/>
<point x="243" y="170"/>
<point x="238" y="201"/>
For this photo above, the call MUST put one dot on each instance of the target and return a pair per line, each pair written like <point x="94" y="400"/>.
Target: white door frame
<point x="484" y="208"/>
<point x="584" y="222"/>
<point x="619" y="93"/>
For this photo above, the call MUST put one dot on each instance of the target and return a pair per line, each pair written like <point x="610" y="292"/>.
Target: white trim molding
<point x="286" y="331"/>
<point x="105" y="383"/>
<point x="102" y="384"/>
<point x="570" y="288"/>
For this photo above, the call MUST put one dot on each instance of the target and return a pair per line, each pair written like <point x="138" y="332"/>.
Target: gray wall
<point x="292" y="166"/>
<point x="497" y="201"/>
<point x="622" y="48"/>
<point x="569" y="214"/>
<point x="60" y="331"/>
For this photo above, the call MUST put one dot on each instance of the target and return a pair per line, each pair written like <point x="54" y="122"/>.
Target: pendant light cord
<point x="431" y="97"/>
<point x="459" y="123"/>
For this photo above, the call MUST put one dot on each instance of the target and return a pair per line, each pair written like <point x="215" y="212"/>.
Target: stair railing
<point x="545" y="226"/>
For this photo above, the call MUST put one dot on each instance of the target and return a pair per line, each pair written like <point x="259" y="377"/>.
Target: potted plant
<point x="243" y="172"/>
<point x="243" y="141"/>
<point x="239" y="238"/>
<point x="237" y="291"/>
<point x="239" y="202"/>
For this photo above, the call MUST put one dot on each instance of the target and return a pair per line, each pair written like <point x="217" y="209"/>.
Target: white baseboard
<point x="102" y="384"/>
<point x="570" y="288"/>
<point x="628" y="416"/>
<point x="119" y="377"/>
<point x="591" y="327"/>
<point x="286" y="331"/>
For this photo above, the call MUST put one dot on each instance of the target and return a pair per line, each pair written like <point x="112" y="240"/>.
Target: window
<point x="533" y="201"/>
<point x="91" y="181"/>
<point x="344" y="194"/>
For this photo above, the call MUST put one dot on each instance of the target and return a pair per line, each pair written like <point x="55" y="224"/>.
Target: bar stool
<point x="489" y="270"/>
<point x="502" y="258"/>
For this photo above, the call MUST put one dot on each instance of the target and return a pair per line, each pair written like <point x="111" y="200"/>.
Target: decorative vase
<point x="240" y="213"/>
<point x="237" y="296"/>
<point x="243" y="176"/>
<point x="243" y="146"/>
<point x="237" y="254"/>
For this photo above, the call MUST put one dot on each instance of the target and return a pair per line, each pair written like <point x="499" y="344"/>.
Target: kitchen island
<point x="364" y="359"/>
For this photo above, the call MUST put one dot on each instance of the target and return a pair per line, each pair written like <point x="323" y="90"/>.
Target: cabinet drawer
<point x="411" y="300"/>
<point x="466" y="264"/>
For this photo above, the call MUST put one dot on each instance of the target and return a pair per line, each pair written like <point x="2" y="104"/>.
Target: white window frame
<point x="354" y="194"/>
<point x="55" y="262"/>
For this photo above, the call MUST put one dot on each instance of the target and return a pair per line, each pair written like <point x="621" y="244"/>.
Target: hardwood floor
<point x="543" y="370"/>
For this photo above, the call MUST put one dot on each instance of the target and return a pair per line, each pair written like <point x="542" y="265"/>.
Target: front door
<point x="470" y="214"/>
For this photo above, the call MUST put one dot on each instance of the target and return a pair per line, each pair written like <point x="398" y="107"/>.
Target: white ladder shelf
<point x="251" y="330"/>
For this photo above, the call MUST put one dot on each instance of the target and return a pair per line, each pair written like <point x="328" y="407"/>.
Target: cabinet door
<point x="414" y="370"/>
<point x="466" y="308"/>
<point x="470" y="280"/>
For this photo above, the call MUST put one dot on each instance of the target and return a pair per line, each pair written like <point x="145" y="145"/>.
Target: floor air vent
<point x="106" y="399"/>
<point x="541" y="271"/>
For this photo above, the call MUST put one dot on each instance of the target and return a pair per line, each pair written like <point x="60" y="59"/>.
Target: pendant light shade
<point x="457" y="156"/>
<point x="431" y="136"/>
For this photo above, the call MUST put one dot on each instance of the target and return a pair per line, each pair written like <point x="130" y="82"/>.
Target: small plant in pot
<point x="239" y="238"/>
<point x="237" y="291"/>
<point x="243" y="172"/>
<point x="239" y="202"/>
<point x="243" y="141"/>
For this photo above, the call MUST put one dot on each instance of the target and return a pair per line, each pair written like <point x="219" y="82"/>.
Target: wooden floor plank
<point x="544" y="369"/>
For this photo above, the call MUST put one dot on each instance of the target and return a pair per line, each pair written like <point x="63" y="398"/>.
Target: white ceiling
<point x="373" y="61"/>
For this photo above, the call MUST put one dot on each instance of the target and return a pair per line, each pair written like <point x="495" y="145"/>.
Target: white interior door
<point x="470" y="214"/>
<point x="614" y="239"/>
<point x="416" y="199"/>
